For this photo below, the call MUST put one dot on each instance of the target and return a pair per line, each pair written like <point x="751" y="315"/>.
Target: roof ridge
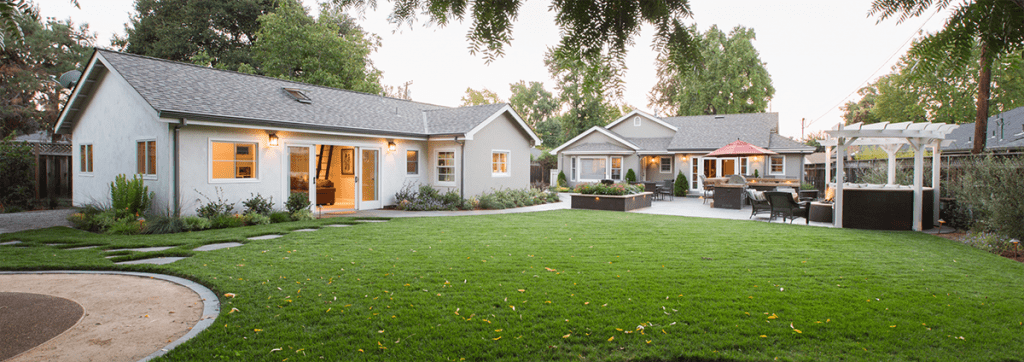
<point x="98" y="49"/>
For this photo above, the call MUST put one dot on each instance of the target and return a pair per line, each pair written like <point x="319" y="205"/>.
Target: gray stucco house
<point x="1005" y="134"/>
<point x="191" y="130"/>
<point x="658" y="148"/>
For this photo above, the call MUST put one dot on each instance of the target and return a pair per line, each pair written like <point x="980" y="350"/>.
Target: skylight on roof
<point x="298" y="94"/>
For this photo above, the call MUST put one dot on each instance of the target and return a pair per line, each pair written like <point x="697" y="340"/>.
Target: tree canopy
<point x="331" y="51"/>
<point x="725" y="76"/>
<point x="534" y="103"/>
<point x="475" y="97"/>
<point x="29" y="96"/>
<point x="586" y="85"/>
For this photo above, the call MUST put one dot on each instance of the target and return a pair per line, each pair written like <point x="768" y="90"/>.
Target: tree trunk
<point x="984" y="92"/>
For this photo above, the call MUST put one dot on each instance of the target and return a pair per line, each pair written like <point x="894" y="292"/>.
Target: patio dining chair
<point x="667" y="188"/>
<point x="758" y="202"/>
<point x="652" y="188"/>
<point x="783" y="205"/>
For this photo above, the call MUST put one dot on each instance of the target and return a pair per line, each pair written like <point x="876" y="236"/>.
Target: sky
<point x="819" y="53"/>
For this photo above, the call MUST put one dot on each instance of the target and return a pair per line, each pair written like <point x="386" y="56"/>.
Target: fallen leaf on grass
<point x="567" y="335"/>
<point x="233" y="310"/>
<point x="275" y="350"/>
<point x="229" y="295"/>
<point x="611" y="338"/>
<point x="499" y="337"/>
<point x="764" y="336"/>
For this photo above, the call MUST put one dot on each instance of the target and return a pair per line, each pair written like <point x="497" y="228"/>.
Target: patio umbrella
<point x="739" y="148"/>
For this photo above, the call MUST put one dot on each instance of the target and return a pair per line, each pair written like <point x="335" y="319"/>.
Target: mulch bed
<point x="1009" y="254"/>
<point x="28" y="320"/>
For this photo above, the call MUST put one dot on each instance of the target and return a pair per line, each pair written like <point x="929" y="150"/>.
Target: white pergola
<point x="890" y="137"/>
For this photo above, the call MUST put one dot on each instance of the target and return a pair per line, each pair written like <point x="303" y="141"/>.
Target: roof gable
<point x="706" y="133"/>
<point x="644" y="116"/>
<point x="600" y="130"/>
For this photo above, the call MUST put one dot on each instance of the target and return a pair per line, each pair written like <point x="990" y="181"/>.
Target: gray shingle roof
<point x="1007" y="127"/>
<point x="651" y="144"/>
<point x="708" y="133"/>
<point x="179" y="89"/>
<point x="780" y="142"/>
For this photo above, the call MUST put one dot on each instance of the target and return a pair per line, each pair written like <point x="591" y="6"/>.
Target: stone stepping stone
<point x="84" y="247"/>
<point x="305" y="230"/>
<point x="372" y="220"/>
<point x="144" y="250"/>
<point x="55" y="244"/>
<point x="338" y="225"/>
<point x="156" y="261"/>
<point x="217" y="246"/>
<point x="264" y="237"/>
<point x="12" y="242"/>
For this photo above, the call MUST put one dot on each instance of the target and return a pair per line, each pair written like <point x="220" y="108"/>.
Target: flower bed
<point x="602" y="189"/>
<point x="616" y="197"/>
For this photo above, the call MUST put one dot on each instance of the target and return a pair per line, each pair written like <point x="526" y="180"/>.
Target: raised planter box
<point x="612" y="202"/>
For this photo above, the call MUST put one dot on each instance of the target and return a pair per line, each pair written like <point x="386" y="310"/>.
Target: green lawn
<point x="576" y="285"/>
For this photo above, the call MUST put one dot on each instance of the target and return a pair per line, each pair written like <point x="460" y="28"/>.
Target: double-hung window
<point x="233" y="160"/>
<point x="777" y="165"/>
<point x="446" y="166"/>
<point x="666" y="164"/>
<point x="145" y="155"/>
<point x="616" y="168"/>
<point x="85" y="154"/>
<point x="412" y="162"/>
<point x="499" y="163"/>
<point x="744" y="165"/>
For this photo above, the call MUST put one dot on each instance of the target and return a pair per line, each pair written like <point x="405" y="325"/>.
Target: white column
<point x="828" y="166"/>
<point x="891" y="150"/>
<point x="837" y="220"/>
<point x="918" y="182"/>
<point x="936" y="179"/>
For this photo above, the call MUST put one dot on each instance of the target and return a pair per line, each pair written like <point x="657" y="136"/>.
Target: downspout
<point x="177" y="169"/>
<point x="462" y="168"/>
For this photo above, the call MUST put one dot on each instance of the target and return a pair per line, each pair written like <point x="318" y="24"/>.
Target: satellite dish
<point x="69" y="79"/>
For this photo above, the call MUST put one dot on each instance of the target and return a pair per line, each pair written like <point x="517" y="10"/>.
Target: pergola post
<point x="891" y="149"/>
<point x="828" y="166"/>
<point x="840" y="178"/>
<point x="936" y="174"/>
<point x="918" y="182"/>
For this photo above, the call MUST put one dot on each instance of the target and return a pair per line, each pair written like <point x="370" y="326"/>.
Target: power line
<point x="861" y="85"/>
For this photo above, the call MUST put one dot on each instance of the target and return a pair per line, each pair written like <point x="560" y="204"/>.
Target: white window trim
<point x="144" y="175"/>
<point x="607" y="168"/>
<point x="770" y="172"/>
<point x="636" y="121"/>
<point x="81" y="156"/>
<point x="622" y="174"/>
<point x="572" y="169"/>
<point x="744" y="164"/>
<point x="508" y="164"/>
<point x="419" y="164"/>
<point x="661" y="169"/>
<point x="209" y="161"/>
<point x="437" y="169"/>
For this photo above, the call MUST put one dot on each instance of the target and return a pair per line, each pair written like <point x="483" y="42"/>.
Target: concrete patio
<point x="680" y="206"/>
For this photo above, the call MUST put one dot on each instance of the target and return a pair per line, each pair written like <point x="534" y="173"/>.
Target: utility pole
<point x="802" y="120"/>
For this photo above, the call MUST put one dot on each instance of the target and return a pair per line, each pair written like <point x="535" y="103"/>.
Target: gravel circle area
<point x="29" y="220"/>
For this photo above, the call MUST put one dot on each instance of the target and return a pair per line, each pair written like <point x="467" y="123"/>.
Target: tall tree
<point x="180" y="29"/>
<point x="475" y="97"/>
<point x="30" y="98"/>
<point x="331" y="51"/>
<point x="995" y="24"/>
<point x="726" y="77"/>
<point x="860" y="111"/>
<point x="534" y="103"/>
<point x="586" y="86"/>
<point x="590" y="27"/>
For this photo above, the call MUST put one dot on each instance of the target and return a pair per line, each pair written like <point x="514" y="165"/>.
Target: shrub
<point x="213" y="209"/>
<point x="630" y="176"/>
<point x="124" y="226"/>
<point x="257" y="204"/>
<point x="426" y="198"/>
<point x="16" y="181"/>
<point x="302" y="215"/>
<point x="130" y="195"/>
<point x="297" y="201"/>
<point x="87" y="217"/>
<point x="255" y="218"/>
<point x="196" y="223"/>
<point x="279" y="217"/>
<point x="508" y="198"/>
<point x="756" y="174"/>
<point x="222" y="221"/>
<point x="991" y="188"/>
<point x="988" y="241"/>
<point x="164" y="224"/>
<point x="682" y="186"/>
<point x="561" y="179"/>
<point x="602" y="189"/>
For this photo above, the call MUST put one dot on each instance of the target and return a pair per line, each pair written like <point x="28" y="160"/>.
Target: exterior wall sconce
<point x="273" y="139"/>
<point x="391" y="146"/>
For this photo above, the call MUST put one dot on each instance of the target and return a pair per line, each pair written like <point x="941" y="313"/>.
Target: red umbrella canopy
<point x="739" y="148"/>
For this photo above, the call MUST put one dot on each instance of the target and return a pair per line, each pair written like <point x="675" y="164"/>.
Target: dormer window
<point x="298" y="94"/>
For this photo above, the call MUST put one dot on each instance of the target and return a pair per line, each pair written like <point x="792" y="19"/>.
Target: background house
<point x="1005" y="134"/>
<point x="659" y="148"/>
<point x="190" y="131"/>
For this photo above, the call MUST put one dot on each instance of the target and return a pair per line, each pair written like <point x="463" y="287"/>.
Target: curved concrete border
<point x="211" y="304"/>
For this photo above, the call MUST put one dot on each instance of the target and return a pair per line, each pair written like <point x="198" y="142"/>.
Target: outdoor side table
<point x="820" y="212"/>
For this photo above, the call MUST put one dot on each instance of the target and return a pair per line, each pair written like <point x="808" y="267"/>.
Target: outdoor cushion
<point x="759" y="196"/>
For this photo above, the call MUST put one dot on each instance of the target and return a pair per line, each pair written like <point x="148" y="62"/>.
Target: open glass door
<point x="298" y="170"/>
<point x="369" y="173"/>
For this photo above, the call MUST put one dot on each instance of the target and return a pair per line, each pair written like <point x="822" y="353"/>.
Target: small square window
<point x="499" y="163"/>
<point x="777" y="165"/>
<point x="666" y="164"/>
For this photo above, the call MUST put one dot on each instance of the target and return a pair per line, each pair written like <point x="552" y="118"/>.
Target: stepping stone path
<point x="305" y="230"/>
<point x="338" y="225"/>
<point x="144" y="250"/>
<point x="217" y="246"/>
<point x="264" y="237"/>
<point x="84" y="247"/>
<point x="12" y="242"/>
<point x="372" y="220"/>
<point x="157" y="261"/>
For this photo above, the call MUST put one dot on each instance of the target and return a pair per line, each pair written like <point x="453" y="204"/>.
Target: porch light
<point x="391" y="146"/>
<point x="273" y="139"/>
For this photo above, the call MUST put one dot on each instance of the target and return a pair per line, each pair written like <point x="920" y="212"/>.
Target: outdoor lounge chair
<point x="758" y="203"/>
<point x="783" y="205"/>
